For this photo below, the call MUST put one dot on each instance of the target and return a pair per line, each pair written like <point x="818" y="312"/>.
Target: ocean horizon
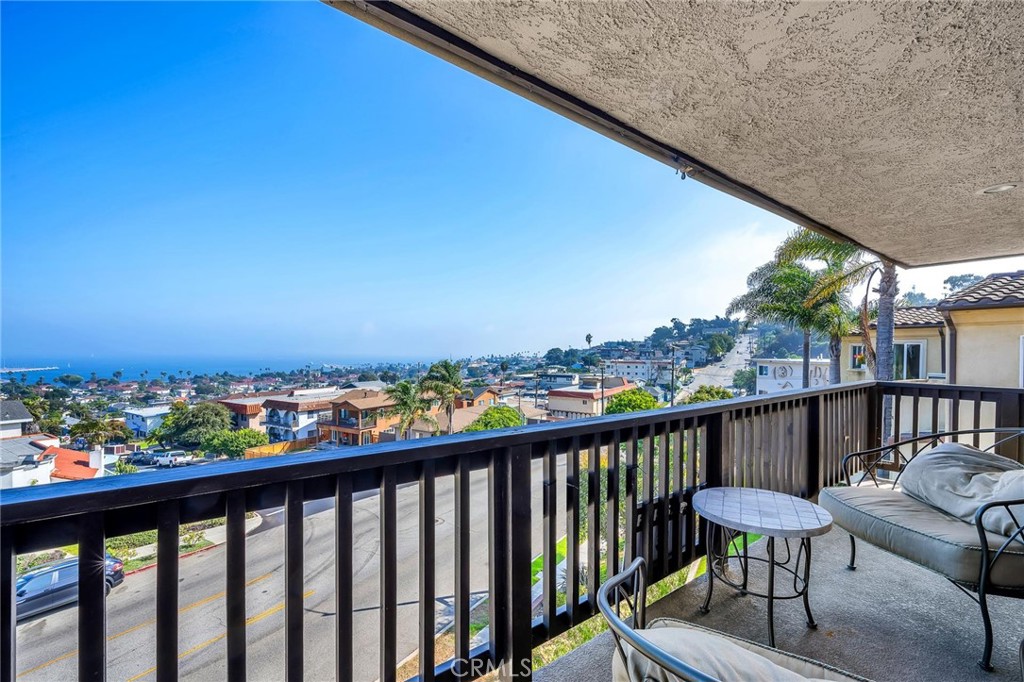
<point x="132" y="368"/>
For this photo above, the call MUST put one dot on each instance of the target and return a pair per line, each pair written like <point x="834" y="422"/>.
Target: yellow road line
<point x="143" y="624"/>
<point x="213" y="640"/>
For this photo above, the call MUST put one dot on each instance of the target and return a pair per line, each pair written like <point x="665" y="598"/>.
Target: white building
<point x="14" y="418"/>
<point x="143" y="420"/>
<point x="786" y="374"/>
<point x="295" y="416"/>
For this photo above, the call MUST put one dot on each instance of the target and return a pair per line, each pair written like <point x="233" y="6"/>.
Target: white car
<point x="173" y="458"/>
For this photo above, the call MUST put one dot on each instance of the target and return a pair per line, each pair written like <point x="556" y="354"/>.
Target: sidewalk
<point x="216" y="536"/>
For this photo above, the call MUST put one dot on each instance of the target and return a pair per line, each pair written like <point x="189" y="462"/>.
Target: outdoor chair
<point x="667" y="650"/>
<point x="973" y="558"/>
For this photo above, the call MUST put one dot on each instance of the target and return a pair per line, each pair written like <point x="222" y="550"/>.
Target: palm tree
<point x="778" y="292"/>
<point x="444" y="380"/>
<point x="98" y="431"/>
<point x="590" y="337"/>
<point x="847" y="266"/>
<point x="409" y="406"/>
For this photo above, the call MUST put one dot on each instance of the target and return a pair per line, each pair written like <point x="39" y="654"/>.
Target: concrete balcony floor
<point x="888" y="620"/>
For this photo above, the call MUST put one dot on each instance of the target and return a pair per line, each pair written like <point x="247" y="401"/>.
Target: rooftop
<point x="14" y="451"/>
<point x="1001" y="290"/>
<point x="71" y="465"/>
<point x="144" y="412"/>
<point x="14" y="411"/>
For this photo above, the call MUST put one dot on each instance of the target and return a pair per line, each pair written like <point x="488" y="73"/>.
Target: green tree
<point x="70" y="380"/>
<point x="633" y="400"/>
<point x="590" y="338"/>
<point x="165" y="433"/>
<point x="122" y="467"/>
<point x="495" y="417"/>
<point x="848" y="266"/>
<point x="779" y="292"/>
<point x="117" y="375"/>
<point x="746" y="379"/>
<point x="955" y="283"/>
<point x="234" y="443"/>
<point x="367" y="376"/>
<point x="444" y="380"/>
<point x="708" y="393"/>
<point x="409" y="406"/>
<point x="100" y="431"/>
<point x="194" y="425"/>
<point x="555" y="356"/>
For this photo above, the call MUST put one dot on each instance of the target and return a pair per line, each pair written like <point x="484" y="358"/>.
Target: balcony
<point x="281" y="422"/>
<point x="347" y="422"/>
<point x="403" y="541"/>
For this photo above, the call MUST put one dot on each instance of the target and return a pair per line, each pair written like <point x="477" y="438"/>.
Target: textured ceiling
<point x="880" y="121"/>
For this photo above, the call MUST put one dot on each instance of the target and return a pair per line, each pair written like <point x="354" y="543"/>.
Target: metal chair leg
<point x="986" y="660"/>
<point x="853" y="554"/>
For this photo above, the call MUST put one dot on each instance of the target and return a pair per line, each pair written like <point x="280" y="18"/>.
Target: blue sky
<point x="276" y="180"/>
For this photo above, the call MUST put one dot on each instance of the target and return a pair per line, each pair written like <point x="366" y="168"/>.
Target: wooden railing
<point x="625" y="491"/>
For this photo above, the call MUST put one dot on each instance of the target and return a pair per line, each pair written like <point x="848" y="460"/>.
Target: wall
<point x="787" y="375"/>
<point x="988" y="346"/>
<point x="560" y="404"/>
<point x="21" y="477"/>
<point x="280" y="448"/>
<point x="10" y="430"/>
<point x="933" y="351"/>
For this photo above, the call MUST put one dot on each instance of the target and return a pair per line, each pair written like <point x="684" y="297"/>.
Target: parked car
<point x="173" y="458"/>
<point x="56" y="584"/>
<point x="142" y="457"/>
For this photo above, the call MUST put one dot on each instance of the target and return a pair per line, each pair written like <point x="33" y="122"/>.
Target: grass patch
<point x="537" y="565"/>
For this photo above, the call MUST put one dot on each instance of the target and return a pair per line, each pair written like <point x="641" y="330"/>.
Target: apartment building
<point x="785" y="374"/>
<point x="585" y="401"/>
<point x="358" y="417"/>
<point x="144" y="420"/>
<point x="483" y="396"/>
<point x="295" y="416"/>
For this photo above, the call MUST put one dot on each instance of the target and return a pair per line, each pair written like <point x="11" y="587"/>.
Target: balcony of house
<point x="339" y="423"/>
<point x="363" y="587"/>
<point x="281" y="421"/>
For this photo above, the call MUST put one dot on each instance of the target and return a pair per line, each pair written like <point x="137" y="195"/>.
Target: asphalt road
<point x="46" y="644"/>
<point x="715" y="375"/>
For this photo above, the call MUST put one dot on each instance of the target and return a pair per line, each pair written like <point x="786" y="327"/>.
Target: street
<point x="46" y="644"/>
<point x="717" y="375"/>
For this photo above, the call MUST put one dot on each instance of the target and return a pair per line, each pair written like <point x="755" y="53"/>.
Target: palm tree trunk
<point x="451" y="417"/>
<point x="887" y="292"/>
<point x="807" y="359"/>
<point x="835" y="350"/>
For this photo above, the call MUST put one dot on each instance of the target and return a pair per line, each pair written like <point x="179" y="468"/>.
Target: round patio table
<point x="734" y="512"/>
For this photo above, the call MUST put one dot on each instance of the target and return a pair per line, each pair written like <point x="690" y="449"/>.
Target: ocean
<point x="133" y="368"/>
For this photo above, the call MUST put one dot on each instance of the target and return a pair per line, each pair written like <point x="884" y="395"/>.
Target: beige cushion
<point x="923" y="534"/>
<point x="719" y="655"/>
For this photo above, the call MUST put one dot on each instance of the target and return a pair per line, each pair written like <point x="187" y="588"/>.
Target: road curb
<point x="195" y="551"/>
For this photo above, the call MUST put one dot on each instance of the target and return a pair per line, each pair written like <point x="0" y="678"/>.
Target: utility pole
<point x="672" y="385"/>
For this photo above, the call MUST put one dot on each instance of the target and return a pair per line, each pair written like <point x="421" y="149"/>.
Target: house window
<point x="584" y="402"/>
<point x="762" y="370"/>
<point x="907" y="361"/>
<point x="857" y="356"/>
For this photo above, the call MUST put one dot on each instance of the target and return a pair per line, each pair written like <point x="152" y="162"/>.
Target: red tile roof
<point x="71" y="465"/>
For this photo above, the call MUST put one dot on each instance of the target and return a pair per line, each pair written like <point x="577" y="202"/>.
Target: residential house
<point x="483" y="396"/>
<point x="585" y="401"/>
<point x="143" y="420"/>
<point x="985" y="332"/>
<point x="785" y="374"/>
<point x="296" y="415"/>
<point x="695" y="355"/>
<point x="23" y="460"/>
<point x="15" y="419"/>
<point x="357" y="418"/>
<point x="247" y="411"/>
<point x="74" y="465"/>
<point x="919" y="348"/>
<point x="366" y="385"/>
<point x="549" y="380"/>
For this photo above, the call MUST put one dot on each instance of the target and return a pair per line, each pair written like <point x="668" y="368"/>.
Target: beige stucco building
<point x="919" y="347"/>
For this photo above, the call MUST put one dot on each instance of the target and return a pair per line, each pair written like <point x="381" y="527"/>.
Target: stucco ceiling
<point x="878" y="121"/>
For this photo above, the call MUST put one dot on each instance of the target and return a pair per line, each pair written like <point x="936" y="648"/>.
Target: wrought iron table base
<point x="718" y="562"/>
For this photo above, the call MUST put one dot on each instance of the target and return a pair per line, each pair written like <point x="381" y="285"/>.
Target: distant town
<point x="81" y="427"/>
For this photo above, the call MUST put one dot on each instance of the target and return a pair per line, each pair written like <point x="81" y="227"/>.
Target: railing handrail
<point x="21" y="505"/>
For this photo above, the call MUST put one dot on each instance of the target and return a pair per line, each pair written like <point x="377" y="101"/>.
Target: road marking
<point x="143" y="624"/>
<point x="213" y="640"/>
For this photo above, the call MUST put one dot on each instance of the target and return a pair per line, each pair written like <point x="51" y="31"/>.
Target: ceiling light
<point x="1002" y="187"/>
